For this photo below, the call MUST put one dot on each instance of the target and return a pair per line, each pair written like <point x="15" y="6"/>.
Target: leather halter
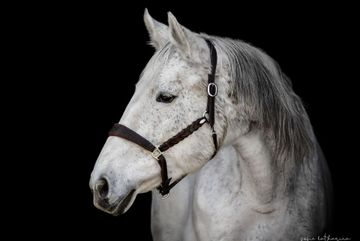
<point x="157" y="152"/>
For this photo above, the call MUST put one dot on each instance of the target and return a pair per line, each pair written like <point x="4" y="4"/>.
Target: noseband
<point x="157" y="152"/>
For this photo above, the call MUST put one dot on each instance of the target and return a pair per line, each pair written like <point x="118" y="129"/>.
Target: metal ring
<point x="209" y="89"/>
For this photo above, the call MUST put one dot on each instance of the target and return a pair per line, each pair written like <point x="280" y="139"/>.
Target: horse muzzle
<point x="106" y="202"/>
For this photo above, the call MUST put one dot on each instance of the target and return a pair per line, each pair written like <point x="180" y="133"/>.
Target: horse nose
<point x="101" y="188"/>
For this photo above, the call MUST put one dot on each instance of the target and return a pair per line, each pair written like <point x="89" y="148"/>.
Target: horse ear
<point x="189" y="43"/>
<point x="158" y="32"/>
<point x="178" y="36"/>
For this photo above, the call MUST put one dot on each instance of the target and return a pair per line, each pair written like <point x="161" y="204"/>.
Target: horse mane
<point x="265" y="93"/>
<point x="266" y="98"/>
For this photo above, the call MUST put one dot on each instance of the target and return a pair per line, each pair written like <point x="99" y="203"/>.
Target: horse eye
<point x="165" y="98"/>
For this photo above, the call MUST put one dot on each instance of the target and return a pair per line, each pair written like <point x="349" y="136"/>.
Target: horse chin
<point x="120" y="206"/>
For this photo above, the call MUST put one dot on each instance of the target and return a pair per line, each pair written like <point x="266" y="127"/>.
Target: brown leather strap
<point x="183" y="134"/>
<point x="212" y="92"/>
<point x="212" y="87"/>
<point x="126" y="133"/>
<point x="130" y="135"/>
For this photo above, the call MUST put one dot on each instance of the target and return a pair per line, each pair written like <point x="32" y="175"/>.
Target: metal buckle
<point x="156" y="153"/>
<point x="209" y="89"/>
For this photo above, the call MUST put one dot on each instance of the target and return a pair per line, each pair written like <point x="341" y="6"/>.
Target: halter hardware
<point x="156" y="153"/>
<point x="212" y="89"/>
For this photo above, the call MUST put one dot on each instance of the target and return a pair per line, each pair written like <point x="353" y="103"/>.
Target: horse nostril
<point x="102" y="187"/>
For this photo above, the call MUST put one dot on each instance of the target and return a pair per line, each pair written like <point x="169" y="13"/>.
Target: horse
<point x="215" y="126"/>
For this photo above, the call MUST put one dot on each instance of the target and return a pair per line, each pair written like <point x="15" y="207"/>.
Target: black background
<point x="84" y="61"/>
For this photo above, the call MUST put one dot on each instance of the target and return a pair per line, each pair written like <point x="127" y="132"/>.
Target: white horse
<point x="269" y="179"/>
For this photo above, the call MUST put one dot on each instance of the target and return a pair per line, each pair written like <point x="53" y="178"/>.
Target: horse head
<point x="172" y="92"/>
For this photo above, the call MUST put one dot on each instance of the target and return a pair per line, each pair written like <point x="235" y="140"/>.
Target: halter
<point x="157" y="152"/>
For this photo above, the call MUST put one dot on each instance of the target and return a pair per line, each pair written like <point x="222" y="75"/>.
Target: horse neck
<point x="256" y="167"/>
